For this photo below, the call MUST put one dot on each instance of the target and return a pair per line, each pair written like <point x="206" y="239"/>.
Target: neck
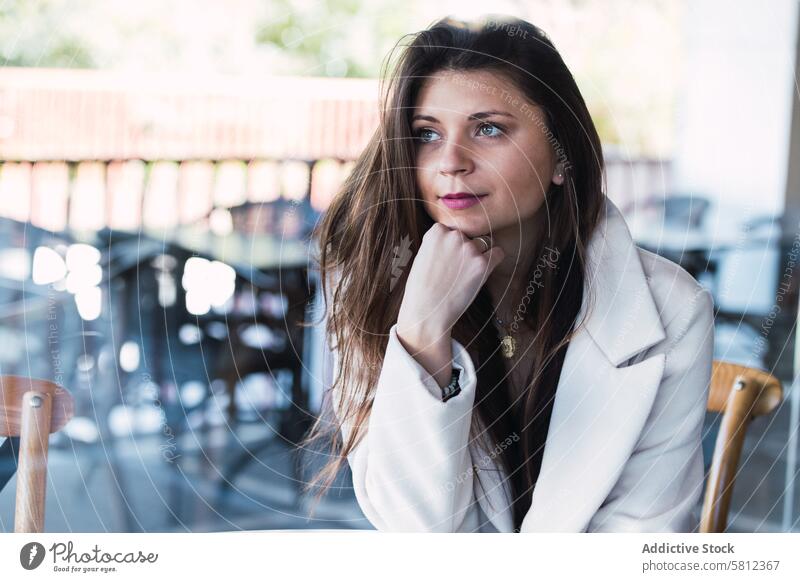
<point x="509" y="279"/>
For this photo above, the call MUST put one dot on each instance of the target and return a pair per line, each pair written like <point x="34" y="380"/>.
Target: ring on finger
<point x="486" y="242"/>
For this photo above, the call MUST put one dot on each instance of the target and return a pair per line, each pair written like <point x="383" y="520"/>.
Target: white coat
<point x="623" y="451"/>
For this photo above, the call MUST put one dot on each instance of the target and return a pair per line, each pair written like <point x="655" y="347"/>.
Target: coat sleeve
<point x="412" y="470"/>
<point x="663" y="479"/>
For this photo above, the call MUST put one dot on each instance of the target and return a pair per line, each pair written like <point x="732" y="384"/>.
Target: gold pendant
<point x="508" y="346"/>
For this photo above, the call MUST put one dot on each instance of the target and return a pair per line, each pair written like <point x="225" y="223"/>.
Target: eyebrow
<point x="477" y="116"/>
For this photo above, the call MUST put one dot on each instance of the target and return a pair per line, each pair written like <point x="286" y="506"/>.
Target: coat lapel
<point x="600" y="408"/>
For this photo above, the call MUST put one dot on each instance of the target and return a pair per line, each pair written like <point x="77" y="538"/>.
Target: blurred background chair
<point x="30" y="411"/>
<point x="739" y="394"/>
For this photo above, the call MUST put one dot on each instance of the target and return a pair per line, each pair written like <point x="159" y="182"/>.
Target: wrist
<point x="413" y="323"/>
<point x="423" y="333"/>
<point x="431" y="349"/>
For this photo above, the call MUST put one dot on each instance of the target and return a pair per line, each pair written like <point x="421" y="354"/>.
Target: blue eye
<point x="482" y="126"/>
<point x="422" y="133"/>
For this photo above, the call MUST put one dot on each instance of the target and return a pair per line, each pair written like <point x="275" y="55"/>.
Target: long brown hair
<point x="379" y="211"/>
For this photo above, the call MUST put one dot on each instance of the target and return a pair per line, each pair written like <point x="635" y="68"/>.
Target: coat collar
<point x="600" y="408"/>
<point x="624" y="319"/>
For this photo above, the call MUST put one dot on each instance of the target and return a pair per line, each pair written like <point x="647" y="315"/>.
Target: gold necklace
<point x="508" y="345"/>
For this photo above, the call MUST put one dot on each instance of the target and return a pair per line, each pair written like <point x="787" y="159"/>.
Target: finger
<point x="495" y="255"/>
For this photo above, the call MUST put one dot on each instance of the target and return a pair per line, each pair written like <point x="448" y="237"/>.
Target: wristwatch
<point x="453" y="388"/>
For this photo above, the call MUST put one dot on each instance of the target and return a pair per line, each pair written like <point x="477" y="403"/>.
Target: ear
<point x="558" y="174"/>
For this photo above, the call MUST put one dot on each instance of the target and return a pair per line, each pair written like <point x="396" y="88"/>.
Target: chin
<point x="470" y="228"/>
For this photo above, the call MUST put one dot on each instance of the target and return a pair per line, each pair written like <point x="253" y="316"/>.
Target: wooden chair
<point x="740" y="394"/>
<point x="31" y="410"/>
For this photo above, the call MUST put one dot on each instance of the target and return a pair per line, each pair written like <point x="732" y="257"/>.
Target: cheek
<point x="523" y="183"/>
<point x="425" y="175"/>
<point x="525" y="173"/>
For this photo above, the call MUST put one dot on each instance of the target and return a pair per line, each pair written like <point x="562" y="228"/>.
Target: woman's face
<point x="477" y="133"/>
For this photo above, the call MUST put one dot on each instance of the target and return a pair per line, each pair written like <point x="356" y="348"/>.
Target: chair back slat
<point x="32" y="410"/>
<point x="739" y="394"/>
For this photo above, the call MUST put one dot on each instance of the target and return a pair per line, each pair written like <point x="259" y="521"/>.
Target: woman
<point x="503" y="357"/>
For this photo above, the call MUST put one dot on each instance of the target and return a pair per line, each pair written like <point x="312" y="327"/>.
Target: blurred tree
<point x="336" y="38"/>
<point x="32" y="34"/>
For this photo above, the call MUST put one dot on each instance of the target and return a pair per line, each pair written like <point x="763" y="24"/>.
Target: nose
<point x="454" y="159"/>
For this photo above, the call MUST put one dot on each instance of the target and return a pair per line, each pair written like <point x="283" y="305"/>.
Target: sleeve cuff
<point x="396" y="354"/>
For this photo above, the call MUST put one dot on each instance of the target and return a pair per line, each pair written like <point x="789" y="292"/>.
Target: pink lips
<point x="461" y="200"/>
